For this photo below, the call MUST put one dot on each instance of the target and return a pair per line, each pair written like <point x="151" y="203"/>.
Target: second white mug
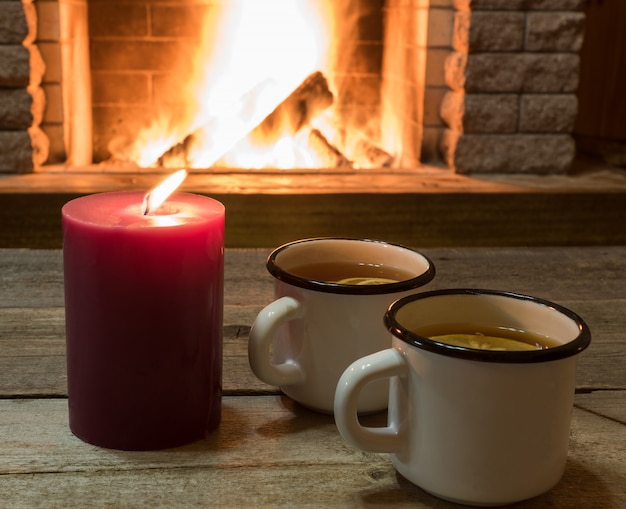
<point x="474" y="426"/>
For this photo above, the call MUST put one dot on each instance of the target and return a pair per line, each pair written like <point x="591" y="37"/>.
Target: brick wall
<point x="140" y="54"/>
<point x="23" y="145"/>
<point x="513" y="77"/>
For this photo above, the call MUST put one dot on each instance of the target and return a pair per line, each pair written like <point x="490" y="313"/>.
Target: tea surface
<point x="348" y="273"/>
<point x="486" y="338"/>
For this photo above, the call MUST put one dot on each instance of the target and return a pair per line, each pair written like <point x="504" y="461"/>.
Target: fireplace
<point x="482" y="86"/>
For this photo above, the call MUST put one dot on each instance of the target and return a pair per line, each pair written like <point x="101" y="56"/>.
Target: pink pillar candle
<point x="144" y="315"/>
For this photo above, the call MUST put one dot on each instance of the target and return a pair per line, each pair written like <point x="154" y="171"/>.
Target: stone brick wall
<point x="23" y="145"/>
<point x="513" y="76"/>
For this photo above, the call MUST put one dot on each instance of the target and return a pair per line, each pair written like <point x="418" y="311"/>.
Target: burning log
<point x="177" y="155"/>
<point x="332" y="156"/>
<point x="308" y="100"/>
<point x="374" y="155"/>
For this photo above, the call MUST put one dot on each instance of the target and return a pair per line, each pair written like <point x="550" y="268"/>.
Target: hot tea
<point x="486" y="338"/>
<point x="348" y="273"/>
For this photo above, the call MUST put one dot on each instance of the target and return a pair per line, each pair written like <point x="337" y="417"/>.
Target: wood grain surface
<point x="268" y="451"/>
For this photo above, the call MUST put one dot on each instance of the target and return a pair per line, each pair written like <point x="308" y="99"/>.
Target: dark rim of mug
<point x="569" y="349"/>
<point x="322" y="286"/>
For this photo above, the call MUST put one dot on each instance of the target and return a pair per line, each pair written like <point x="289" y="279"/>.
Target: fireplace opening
<point x="253" y="84"/>
<point x="475" y="87"/>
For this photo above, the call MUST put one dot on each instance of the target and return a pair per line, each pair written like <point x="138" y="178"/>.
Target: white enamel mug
<point x="472" y="426"/>
<point x="305" y="339"/>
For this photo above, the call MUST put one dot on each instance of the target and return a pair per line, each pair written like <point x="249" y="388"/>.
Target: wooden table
<point x="268" y="452"/>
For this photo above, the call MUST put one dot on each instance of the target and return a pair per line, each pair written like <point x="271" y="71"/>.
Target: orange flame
<point x="253" y="56"/>
<point x="157" y="196"/>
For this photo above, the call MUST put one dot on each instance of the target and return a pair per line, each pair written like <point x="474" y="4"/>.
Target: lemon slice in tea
<point x="365" y="281"/>
<point x="482" y="342"/>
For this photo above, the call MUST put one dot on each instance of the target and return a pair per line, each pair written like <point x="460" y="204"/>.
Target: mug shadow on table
<point x="303" y="418"/>
<point x="300" y="419"/>
<point x="578" y="488"/>
<point x="236" y="425"/>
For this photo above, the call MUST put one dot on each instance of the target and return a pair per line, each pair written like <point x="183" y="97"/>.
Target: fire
<point x="255" y="55"/>
<point x="155" y="198"/>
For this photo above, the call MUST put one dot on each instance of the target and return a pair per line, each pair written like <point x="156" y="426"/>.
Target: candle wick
<point x="146" y="204"/>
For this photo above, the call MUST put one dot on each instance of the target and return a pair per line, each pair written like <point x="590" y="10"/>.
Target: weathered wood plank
<point x="34" y="278"/>
<point x="602" y="364"/>
<point x="31" y="277"/>
<point x="592" y="281"/>
<point x="32" y="353"/>
<point x="267" y="453"/>
<point x="557" y="273"/>
<point x="604" y="403"/>
<point x="32" y="350"/>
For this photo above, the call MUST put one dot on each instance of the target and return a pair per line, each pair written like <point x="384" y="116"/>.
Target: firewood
<point x="176" y="156"/>
<point x="331" y="155"/>
<point x="308" y="100"/>
<point x="375" y="156"/>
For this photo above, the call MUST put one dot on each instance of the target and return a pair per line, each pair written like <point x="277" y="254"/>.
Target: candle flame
<point x="157" y="196"/>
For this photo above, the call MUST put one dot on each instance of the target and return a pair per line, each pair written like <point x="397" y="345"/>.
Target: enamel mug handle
<point x="383" y="364"/>
<point x="262" y="333"/>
